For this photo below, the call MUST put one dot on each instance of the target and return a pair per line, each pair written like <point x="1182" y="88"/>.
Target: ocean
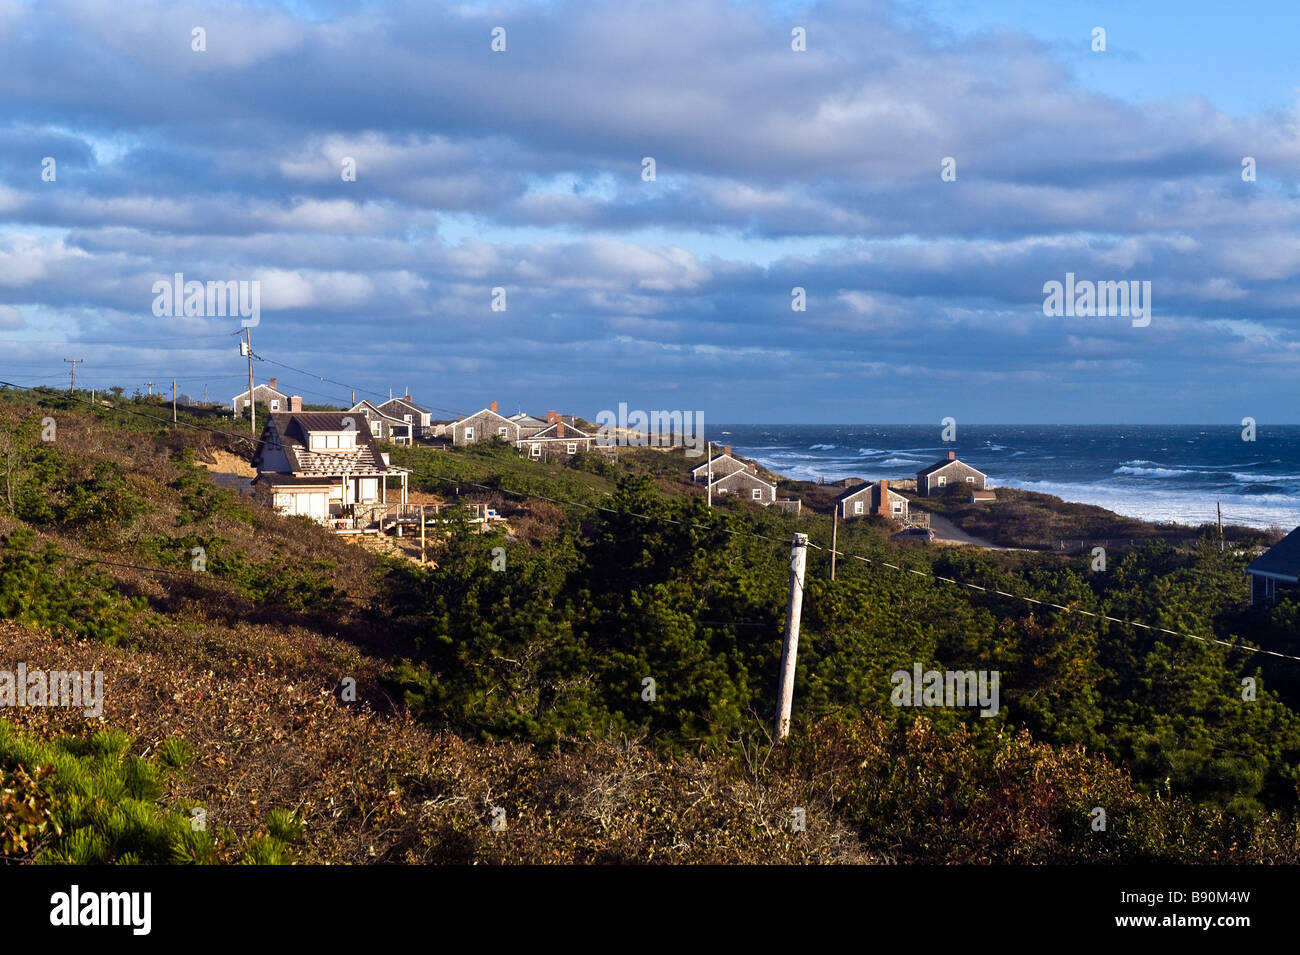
<point x="1152" y="472"/>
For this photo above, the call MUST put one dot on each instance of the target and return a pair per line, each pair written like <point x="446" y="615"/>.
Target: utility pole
<point x="835" y="526"/>
<point x="74" y="362"/>
<point x="790" y="650"/>
<point x="422" y="533"/>
<point x="173" y="401"/>
<point x="252" y="398"/>
<point x="1219" y="507"/>
<point x="708" y="475"/>
<point x="354" y="397"/>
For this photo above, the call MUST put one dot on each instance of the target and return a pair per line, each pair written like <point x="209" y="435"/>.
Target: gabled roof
<point x="746" y="473"/>
<point x="1283" y="558"/>
<point x="262" y="386"/>
<point x="458" y="422"/>
<point x="716" y="461"/>
<point x="945" y="463"/>
<point x="523" y="418"/>
<point x="865" y="489"/>
<point x="292" y="430"/>
<point x="405" y="404"/>
<point x="548" y="434"/>
<point x="366" y="407"/>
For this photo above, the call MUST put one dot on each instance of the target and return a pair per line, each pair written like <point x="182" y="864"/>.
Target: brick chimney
<point x="727" y="450"/>
<point x="492" y="406"/>
<point x="272" y="382"/>
<point x="559" y="429"/>
<point x="407" y="396"/>
<point x="882" y="490"/>
<point x="552" y="417"/>
<point x="952" y="455"/>
<point x="753" y="468"/>
<point x="295" y="402"/>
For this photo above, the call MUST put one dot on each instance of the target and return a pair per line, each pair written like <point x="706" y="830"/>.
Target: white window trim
<point x="857" y="507"/>
<point x="758" y="493"/>
<point x="469" y="434"/>
<point x="571" y="447"/>
<point x="970" y="479"/>
<point x="942" y="480"/>
<point x="536" y="451"/>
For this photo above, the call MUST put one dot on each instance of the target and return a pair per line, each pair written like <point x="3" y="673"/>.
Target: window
<point x="376" y="428"/>
<point x="857" y="507"/>
<point x="347" y="441"/>
<point x="331" y="440"/>
<point x="469" y="434"/>
<point x="758" y="493"/>
<point x="970" y="479"/>
<point x="406" y="418"/>
<point x="501" y="432"/>
<point x="898" y="507"/>
<point x="275" y="404"/>
<point x="722" y="490"/>
<point x="245" y="402"/>
<point x="317" y="441"/>
<point x="571" y="447"/>
<point x="537" y="451"/>
<point x="942" y="481"/>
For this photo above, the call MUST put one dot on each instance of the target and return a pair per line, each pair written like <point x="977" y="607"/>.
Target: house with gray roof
<point x="267" y="395"/>
<point x="1276" y="569"/>
<point x="720" y="466"/>
<point x="322" y="465"/>
<point x="384" y="427"/>
<point x="867" y="499"/>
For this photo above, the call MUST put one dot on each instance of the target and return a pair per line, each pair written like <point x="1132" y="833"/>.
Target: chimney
<point x="727" y="450"/>
<point x="552" y="417"/>
<point x="952" y="455"/>
<point x="407" y="396"/>
<point x="272" y="382"/>
<point x="882" y="491"/>
<point x="295" y="402"/>
<point x="559" y="429"/>
<point x="492" y="407"/>
<point x="753" y="468"/>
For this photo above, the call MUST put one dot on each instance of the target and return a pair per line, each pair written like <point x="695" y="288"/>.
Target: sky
<point x="775" y="169"/>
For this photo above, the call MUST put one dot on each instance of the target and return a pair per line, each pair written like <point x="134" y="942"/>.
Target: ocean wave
<point x="822" y="447"/>
<point x="899" y="462"/>
<point x="1155" y="472"/>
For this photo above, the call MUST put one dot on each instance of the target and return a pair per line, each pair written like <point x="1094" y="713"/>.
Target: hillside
<point x="502" y="715"/>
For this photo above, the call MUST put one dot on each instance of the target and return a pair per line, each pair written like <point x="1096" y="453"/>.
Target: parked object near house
<point x="268" y="395"/>
<point x="867" y="499"/>
<point x="747" y="484"/>
<point x="946" y="475"/>
<point x="720" y="466"/>
<point x="922" y="534"/>
<point x="382" y="426"/>
<point x="982" y="497"/>
<point x="555" y="442"/>
<point x="483" y="426"/>
<point x="1276" y="570"/>
<point x="321" y="465"/>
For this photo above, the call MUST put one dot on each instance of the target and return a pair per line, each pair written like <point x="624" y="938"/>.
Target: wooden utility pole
<point x="1219" y="507"/>
<point x="173" y="401"/>
<point x="708" y="475"/>
<point x="74" y="362"/>
<point x="835" y="526"/>
<point x="252" y="398"/>
<point x="790" y="650"/>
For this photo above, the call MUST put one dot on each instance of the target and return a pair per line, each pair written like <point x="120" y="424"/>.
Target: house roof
<point x="261" y="387"/>
<point x="404" y="403"/>
<point x="1283" y="558"/>
<point x="548" y="434"/>
<point x="746" y="473"/>
<point x="368" y="407"/>
<point x="716" y="461"/>
<point x="524" y="418"/>
<point x="945" y="463"/>
<point x="293" y="431"/>
<point x="865" y="489"/>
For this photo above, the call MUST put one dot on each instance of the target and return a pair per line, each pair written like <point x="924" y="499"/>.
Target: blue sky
<point x="774" y="169"/>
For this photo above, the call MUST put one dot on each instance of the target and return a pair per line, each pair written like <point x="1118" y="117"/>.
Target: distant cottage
<point x="267" y="395"/>
<point x="945" y="475"/>
<point x="747" y="484"/>
<point x="868" y="499"/>
<point x="382" y="426"/>
<point x="483" y="426"/>
<point x="555" y="442"/>
<point x="1276" y="569"/>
